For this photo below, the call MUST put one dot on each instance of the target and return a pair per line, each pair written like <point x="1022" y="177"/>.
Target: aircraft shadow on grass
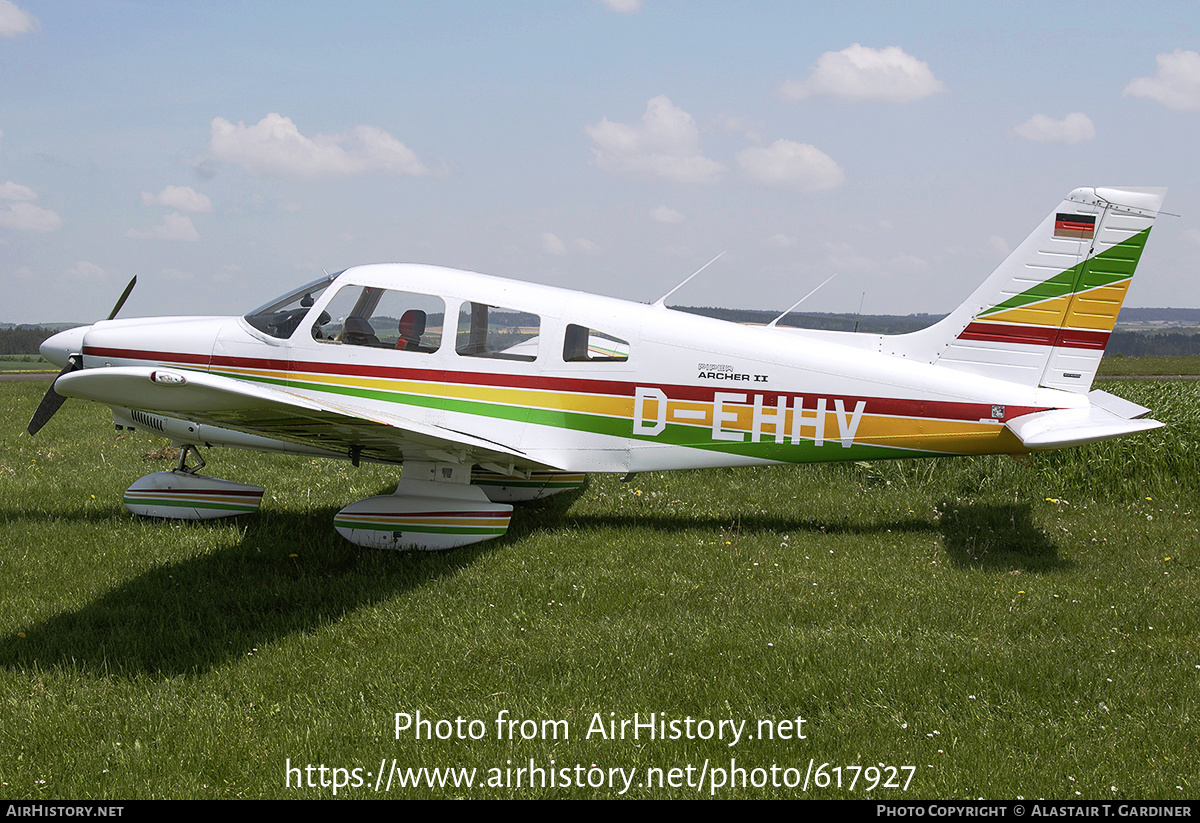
<point x="188" y="616"/>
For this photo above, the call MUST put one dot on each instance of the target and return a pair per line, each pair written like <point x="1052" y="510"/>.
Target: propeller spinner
<point x="66" y="349"/>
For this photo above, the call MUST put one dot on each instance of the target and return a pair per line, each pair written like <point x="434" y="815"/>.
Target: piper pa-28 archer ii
<point x="487" y="391"/>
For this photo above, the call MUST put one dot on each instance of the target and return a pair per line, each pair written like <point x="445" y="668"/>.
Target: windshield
<point x="282" y="316"/>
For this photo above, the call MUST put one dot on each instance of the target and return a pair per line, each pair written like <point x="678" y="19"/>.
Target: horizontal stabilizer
<point x="1107" y="416"/>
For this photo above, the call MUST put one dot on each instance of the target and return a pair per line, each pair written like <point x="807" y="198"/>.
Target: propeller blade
<point x="52" y="399"/>
<point x="124" y="297"/>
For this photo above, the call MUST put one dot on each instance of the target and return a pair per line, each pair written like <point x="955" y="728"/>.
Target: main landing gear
<point x="435" y="506"/>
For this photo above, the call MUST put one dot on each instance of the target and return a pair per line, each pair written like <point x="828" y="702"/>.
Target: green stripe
<point x="180" y="504"/>
<point x="1108" y="267"/>
<point x="675" y="434"/>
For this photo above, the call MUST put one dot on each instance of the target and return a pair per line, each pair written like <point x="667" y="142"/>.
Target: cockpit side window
<point x="584" y="345"/>
<point x="382" y="319"/>
<point x="281" y="317"/>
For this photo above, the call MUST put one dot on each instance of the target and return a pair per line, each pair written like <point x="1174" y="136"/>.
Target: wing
<point x="270" y="412"/>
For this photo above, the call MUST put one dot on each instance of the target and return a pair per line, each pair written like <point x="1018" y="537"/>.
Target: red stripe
<point x="1082" y="339"/>
<point x="898" y="407"/>
<point x="1075" y="225"/>
<point x="1036" y="335"/>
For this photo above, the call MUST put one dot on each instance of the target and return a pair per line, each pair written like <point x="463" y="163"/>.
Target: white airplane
<point x="489" y="391"/>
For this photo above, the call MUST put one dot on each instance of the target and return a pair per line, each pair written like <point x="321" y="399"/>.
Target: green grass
<point x="1006" y="630"/>
<point x="1121" y="366"/>
<point x="26" y="362"/>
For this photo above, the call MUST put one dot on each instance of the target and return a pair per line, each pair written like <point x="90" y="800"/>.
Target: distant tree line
<point x="23" y="339"/>
<point x="872" y="323"/>
<point x="1153" y="344"/>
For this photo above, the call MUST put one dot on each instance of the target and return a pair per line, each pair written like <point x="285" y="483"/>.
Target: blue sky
<point x="225" y="152"/>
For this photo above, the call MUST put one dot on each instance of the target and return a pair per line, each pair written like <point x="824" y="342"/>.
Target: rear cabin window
<point x="584" y="345"/>
<point x="382" y="319"/>
<point x="497" y="333"/>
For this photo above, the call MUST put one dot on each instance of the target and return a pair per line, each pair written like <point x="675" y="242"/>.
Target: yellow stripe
<point x="1093" y="309"/>
<point x="1046" y="313"/>
<point x="882" y="430"/>
<point x="607" y="405"/>
<point x="1097" y="309"/>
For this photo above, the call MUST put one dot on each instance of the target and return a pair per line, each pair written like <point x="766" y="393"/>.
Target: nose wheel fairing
<point x="181" y="495"/>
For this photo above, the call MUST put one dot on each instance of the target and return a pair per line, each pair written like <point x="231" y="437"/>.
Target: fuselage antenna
<point x="662" y="301"/>
<point x="792" y="307"/>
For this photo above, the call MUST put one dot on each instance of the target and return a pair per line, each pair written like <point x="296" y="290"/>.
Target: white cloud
<point x="779" y="241"/>
<point x="752" y="132"/>
<point x="787" y="164"/>
<point x="665" y="144"/>
<point x="15" y="191"/>
<point x="228" y="273"/>
<point x="86" y="271"/>
<point x="1072" y="129"/>
<point x="551" y="244"/>
<point x="999" y="245"/>
<point x="176" y="275"/>
<point x="184" y="198"/>
<point x="14" y="21"/>
<point x="175" y="226"/>
<point x="624" y="6"/>
<point x="665" y="215"/>
<point x="859" y="73"/>
<point x="844" y="257"/>
<point x="1176" y="84"/>
<point x="28" y="217"/>
<point x="275" y="146"/>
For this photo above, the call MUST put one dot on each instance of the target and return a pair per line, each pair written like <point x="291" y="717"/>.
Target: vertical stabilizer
<point x="1045" y="315"/>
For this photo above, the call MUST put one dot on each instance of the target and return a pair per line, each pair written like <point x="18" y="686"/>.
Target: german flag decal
<point x="1075" y="226"/>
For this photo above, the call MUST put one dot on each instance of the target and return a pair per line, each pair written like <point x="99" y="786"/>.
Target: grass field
<point x="25" y="362"/>
<point x="1149" y="366"/>
<point x="1001" y="630"/>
